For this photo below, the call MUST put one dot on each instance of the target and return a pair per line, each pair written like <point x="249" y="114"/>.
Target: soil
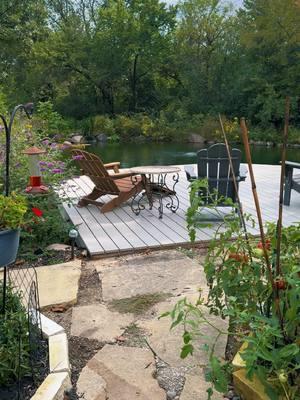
<point x="48" y="257"/>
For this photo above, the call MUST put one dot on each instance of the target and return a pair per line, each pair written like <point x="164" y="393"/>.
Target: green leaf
<point x="186" y="350"/>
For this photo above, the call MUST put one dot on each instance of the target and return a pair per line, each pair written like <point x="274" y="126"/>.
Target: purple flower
<point x="78" y="157"/>
<point x="42" y="163"/>
<point x="45" y="142"/>
<point x="43" y="169"/>
<point x="53" y="145"/>
<point x="50" y="164"/>
<point x="57" y="171"/>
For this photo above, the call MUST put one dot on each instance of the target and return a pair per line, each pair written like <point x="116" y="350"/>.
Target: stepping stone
<point x="167" y="271"/>
<point x="168" y="343"/>
<point x="97" y="322"/>
<point x="58" y="284"/>
<point x="91" y="386"/>
<point x="195" y="388"/>
<point x="127" y="372"/>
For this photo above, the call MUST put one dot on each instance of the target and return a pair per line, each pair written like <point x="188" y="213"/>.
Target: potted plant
<point x="12" y="212"/>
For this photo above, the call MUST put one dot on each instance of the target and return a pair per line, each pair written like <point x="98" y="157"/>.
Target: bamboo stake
<point x="282" y="177"/>
<point x="256" y="201"/>
<point x="236" y="187"/>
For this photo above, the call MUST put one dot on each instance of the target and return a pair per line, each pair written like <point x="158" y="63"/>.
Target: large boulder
<point x="77" y="139"/>
<point x="101" y="137"/>
<point x="195" y="138"/>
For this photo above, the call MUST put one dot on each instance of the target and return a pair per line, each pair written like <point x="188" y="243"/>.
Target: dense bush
<point x="14" y="340"/>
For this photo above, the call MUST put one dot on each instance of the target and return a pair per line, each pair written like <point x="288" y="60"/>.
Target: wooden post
<point x="282" y="177"/>
<point x="256" y="201"/>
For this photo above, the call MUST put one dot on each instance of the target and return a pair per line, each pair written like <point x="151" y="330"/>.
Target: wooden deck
<point x="123" y="231"/>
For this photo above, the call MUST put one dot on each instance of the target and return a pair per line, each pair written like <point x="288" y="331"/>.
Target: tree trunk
<point x="134" y="80"/>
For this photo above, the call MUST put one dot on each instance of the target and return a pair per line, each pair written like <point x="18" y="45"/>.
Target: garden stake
<point x="236" y="188"/>
<point x="256" y="201"/>
<point x="260" y="222"/>
<point x="282" y="176"/>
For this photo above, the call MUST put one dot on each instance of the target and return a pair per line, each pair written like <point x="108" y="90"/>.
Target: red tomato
<point x="238" y="257"/>
<point x="268" y="245"/>
<point x="281" y="284"/>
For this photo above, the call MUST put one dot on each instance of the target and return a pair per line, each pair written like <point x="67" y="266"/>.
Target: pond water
<point x="133" y="154"/>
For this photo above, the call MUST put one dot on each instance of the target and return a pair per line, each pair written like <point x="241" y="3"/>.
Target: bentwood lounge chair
<point x="122" y="185"/>
<point x="213" y="165"/>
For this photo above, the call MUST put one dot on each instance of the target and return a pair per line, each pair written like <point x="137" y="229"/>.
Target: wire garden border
<point x="25" y="361"/>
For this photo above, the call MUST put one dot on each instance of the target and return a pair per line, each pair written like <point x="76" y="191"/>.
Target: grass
<point x="138" y="304"/>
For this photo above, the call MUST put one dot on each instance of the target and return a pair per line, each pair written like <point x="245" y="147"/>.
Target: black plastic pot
<point x="9" y="244"/>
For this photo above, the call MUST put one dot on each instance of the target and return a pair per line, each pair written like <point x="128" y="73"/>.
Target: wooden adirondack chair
<point x="119" y="184"/>
<point x="213" y="164"/>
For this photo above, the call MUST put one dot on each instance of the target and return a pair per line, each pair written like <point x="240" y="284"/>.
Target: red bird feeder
<point x="35" y="179"/>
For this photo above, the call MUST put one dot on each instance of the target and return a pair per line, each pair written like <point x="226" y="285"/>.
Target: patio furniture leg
<point x="91" y="198"/>
<point x="288" y="186"/>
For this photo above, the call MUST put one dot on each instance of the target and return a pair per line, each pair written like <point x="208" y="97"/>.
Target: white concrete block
<point x="49" y="327"/>
<point x="53" y="387"/>
<point x="59" y="353"/>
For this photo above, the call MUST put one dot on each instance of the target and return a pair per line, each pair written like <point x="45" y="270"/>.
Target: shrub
<point x="127" y="127"/>
<point x="12" y="211"/>
<point x="14" y="340"/>
<point x="49" y="122"/>
<point x="102" y="124"/>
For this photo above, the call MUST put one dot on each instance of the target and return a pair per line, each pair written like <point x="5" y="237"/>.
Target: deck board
<point x="121" y="230"/>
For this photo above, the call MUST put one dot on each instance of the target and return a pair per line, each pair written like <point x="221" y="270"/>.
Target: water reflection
<point x="132" y="154"/>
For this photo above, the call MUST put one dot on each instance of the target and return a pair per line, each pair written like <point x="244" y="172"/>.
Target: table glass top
<point x="155" y="169"/>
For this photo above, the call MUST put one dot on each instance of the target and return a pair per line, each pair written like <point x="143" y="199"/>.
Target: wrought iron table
<point x="154" y="180"/>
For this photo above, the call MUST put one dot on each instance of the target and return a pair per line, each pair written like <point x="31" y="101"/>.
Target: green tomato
<point x="258" y="253"/>
<point x="282" y="376"/>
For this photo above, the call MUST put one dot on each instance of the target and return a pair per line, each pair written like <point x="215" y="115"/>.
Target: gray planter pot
<point x="9" y="244"/>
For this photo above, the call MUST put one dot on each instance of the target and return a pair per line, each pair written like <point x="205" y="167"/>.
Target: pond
<point x="133" y="154"/>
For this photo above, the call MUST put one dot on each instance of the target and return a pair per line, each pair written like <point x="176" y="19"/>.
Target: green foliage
<point x="240" y="289"/>
<point x="12" y="211"/>
<point x="56" y="167"/>
<point x="13" y="339"/>
<point x="167" y="64"/>
<point x="48" y="121"/>
<point x="39" y="232"/>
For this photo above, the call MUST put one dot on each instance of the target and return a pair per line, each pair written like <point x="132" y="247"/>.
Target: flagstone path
<point x="139" y="357"/>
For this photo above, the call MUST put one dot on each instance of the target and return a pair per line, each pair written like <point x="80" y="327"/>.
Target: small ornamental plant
<point x="12" y="211"/>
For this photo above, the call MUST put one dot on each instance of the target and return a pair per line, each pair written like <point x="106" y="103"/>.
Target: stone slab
<point x="58" y="284"/>
<point x="53" y="387"/>
<point x="128" y="373"/>
<point x="91" y="386"/>
<point x="97" y="322"/>
<point x="195" y="388"/>
<point x="163" y="271"/>
<point x="59" y="353"/>
<point x="168" y="343"/>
